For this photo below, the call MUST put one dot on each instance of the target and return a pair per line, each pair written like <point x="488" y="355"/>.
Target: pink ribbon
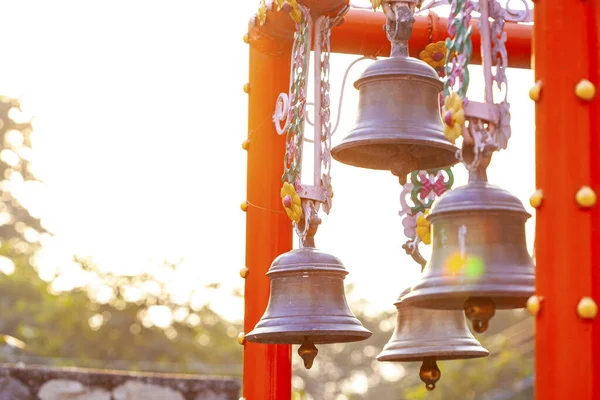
<point x="438" y="187"/>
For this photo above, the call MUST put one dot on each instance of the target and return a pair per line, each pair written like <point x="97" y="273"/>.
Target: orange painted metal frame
<point x="267" y="368"/>
<point x="567" y="157"/>
<point x="567" y="236"/>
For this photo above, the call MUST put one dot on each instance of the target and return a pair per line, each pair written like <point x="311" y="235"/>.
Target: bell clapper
<point x="479" y="310"/>
<point x="430" y="374"/>
<point x="308" y="351"/>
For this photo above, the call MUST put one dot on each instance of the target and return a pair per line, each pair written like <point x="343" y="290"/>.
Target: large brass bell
<point x="430" y="335"/>
<point x="307" y="305"/>
<point x="479" y="259"/>
<point x="398" y="125"/>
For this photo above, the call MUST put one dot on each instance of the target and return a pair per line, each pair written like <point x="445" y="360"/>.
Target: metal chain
<point x="460" y="47"/>
<point x="291" y="108"/>
<point x="325" y="115"/>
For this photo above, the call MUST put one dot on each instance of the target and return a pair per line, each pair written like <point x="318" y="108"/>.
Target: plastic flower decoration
<point x="454" y="116"/>
<point x="294" y="9"/>
<point x="262" y="13"/>
<point x="423" y="228"/>
<point x="291" y="202"/>
<point x="434" y="54"/>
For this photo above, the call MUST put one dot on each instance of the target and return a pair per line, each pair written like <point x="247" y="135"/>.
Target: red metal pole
<point x="594" y="112"/>
<point x="267" y="368"/>
<point x="568" y="237"/>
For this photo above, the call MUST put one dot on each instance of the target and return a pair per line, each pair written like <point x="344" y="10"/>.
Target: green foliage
<point x="76" y="328"/>
<point x="71" y="329"/>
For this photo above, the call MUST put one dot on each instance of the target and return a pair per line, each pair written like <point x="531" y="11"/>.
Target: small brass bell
<point x="430" y="335"/>
<point x="307" y="305"/>
<point x="479" y="259"/>
<point x="398" y="126"/>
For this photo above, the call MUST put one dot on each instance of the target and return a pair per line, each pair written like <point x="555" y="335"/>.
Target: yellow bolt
<point x="585" y="90"/>
<point x="241" y="338"/>
<point x="587" y="308"/>
<point x="244" y="206"/>
<point x="536" y="198"/>
<point x="245" y="144"/>
<point x="534" y="92"/>
<point x="246" y="88"/>
<point x="534" y="305"/>
<point x="244" y="272"/>
<point x="586" y="197"/>
<point x="246" y="39"/>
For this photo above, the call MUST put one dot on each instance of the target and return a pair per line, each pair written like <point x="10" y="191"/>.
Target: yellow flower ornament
<point x="291" y="202"/>
<point x="294" y="9"/>
<point x="454" y="116"/>
<point x="375" y="4"/>
<point x="262" y="13"/>
<point x="434" y="54"/>
<point x="423" y="228"/>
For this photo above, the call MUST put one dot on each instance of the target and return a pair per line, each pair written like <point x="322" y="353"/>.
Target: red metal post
<point x="594" y="71"/>
<point x="267" y="368"/>
<point x="568" y="236"/>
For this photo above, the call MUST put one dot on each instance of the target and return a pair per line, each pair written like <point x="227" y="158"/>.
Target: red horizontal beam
<point x="362" y="33"/>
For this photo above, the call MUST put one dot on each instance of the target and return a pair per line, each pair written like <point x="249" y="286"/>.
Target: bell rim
<point x="441" y="353"/>
<point x="449" y="298"/>
<point x="318" y="336"/>
<point x="438" y="144"/>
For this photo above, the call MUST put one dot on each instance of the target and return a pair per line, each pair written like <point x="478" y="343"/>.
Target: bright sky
<point x="139" y="116"/>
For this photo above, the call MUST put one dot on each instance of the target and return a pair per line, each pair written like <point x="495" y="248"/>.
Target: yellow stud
<point x="245" y="144"/>
<point x="587" y="308"/>
<point x="246" y="39"/>
<point x="244" y="272"/>
<point x="244" y="206"/>
<point x="535" y="91"/>
<point x="241" y="338"/>
<point x="586" y="197"/>
<point x="534" y="304"/>
<point x="246" y="88"/>
<point x="536" y="198"/>
<point x="585" y="90"/>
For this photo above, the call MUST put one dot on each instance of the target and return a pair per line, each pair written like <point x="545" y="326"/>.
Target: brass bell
<point x="430" y="335"/>
<point x="307" y="304"/>
<point x="479" y="259"/>
<point x="398" y="125"/>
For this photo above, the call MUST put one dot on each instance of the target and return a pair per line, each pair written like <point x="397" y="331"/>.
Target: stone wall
<point x="43" y="383"/>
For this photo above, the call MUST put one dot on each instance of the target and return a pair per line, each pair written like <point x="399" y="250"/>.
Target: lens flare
<point x="455" y="263"/>
<point x="474" y="267"/>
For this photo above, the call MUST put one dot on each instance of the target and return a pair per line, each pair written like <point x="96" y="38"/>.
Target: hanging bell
<point x="428" y="336"/>
<point x="479" y="259"/>
<point x="307" y="305"/>
<point x="398" y="125"/>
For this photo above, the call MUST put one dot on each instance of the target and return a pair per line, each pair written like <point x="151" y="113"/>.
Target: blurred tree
<point x="80" y="327"/>
<point x="75" y="328"/>
<point x="16" y="223"/>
